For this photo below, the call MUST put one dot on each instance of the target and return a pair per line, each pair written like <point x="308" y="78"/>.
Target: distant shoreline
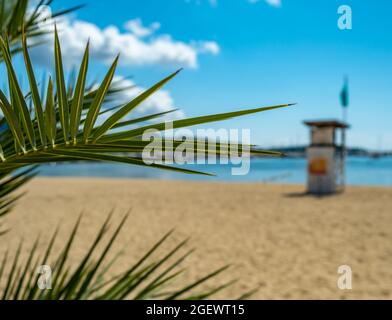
<point x="300" y="152"/>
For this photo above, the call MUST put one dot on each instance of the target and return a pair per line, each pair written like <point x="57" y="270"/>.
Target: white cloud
<point x="138" y="45"/>
<point x="106" y="43"/>
<point x="206" y="47"/>
<point x="136" y="27"/>
<point x="274" y="3"/>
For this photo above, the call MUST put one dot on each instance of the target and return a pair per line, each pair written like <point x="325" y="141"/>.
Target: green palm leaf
<point x="97" y="102"/>
<point x="115" y="118"/>
<point x="77" y="102"/>
<point x="20" y="103"/>
<point x="61" y="91"/>
<point x="146" y="278"/>
<point x="92" y="142"/>
<point x="8" y="186"/>
<point x="34" y="92"/>
<point x="13" y="122"/>
<point x="50" y="114"/>
<point x="185" y="123"/>
<point x="16" y="15"/>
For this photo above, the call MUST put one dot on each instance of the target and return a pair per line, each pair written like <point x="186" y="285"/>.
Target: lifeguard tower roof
<point x="327" y="123"/>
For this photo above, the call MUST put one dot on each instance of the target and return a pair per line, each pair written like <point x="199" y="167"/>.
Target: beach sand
<point x="274" y="236"/>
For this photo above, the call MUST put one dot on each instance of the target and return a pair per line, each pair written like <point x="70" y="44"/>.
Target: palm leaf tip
<point x="17" y="96"/>
<point x="34" y="90"/>
<point x="61" y="88"/>
<point x="50" y="115"/>
<point x="78" y="98"/>
<point x="120" y="114"/>
<point x="96" y="104"/>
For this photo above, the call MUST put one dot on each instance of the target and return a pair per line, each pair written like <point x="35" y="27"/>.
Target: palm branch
<point x="36" y="137"/>
<point x="18" y="14"/>
<point x="8" y="184"/>
<point x="146" y="278"/>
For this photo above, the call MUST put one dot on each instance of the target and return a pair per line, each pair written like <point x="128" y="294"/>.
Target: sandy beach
<point x="274" y="236"/>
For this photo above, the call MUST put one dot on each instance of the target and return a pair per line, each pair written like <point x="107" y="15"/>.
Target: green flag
<point x="344" y="98"/>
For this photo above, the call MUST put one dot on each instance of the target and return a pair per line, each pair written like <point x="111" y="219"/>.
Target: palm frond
<point x="145" y="278"/>
<point x="8" y="185"/>
<point x="24" y="16"/>
<point x="91" y="141"/>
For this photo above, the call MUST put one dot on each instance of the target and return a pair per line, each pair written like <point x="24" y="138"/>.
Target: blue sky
<point x="268" y="54"/>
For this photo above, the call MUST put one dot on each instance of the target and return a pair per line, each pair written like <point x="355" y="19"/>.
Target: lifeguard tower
<point x="326" y="156"/>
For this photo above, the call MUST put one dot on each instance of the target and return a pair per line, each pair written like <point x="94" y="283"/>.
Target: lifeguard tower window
<point x="323" y="136"/>
<point x="323" y="132"/>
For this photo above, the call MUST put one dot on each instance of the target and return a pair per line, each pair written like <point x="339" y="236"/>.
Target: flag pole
<point x="344" y="150"/>
<point x="345" y="114"/>
<point x="344" y="102"/>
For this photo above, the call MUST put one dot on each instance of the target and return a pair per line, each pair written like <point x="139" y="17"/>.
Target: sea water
<point x="360" y="171"/>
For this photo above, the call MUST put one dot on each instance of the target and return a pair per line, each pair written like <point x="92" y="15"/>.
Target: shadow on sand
<point x="311" y="195"/>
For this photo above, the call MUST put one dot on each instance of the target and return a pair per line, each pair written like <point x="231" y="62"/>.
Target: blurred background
<point x="243" y="54"/>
